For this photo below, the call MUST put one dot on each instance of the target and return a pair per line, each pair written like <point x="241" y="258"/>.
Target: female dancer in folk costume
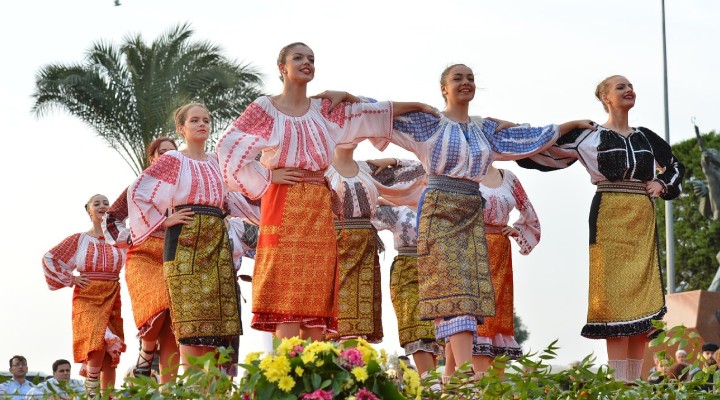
<point x="626" y="290"/>
<point x="417" y="337"/>
<point x="456" y="149"/>
<point x="355" y="193"/>
<point x="198" y="263"/>
<point x="97" y="325"/>
<point x="146" y="282"/>
<point x="295" y="276"/>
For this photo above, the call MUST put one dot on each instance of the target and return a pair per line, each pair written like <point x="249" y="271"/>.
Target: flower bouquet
<point x="307" y="370"/>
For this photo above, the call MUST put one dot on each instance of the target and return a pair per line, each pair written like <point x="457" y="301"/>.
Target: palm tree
<point x="127" y="94"/>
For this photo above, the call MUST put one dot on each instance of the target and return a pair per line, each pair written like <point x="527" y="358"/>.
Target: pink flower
<point x="364" y="394"/>
<point x="319" y="395"/>
<point x="352" y="357"/>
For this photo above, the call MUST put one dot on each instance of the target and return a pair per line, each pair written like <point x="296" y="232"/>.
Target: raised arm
<point x="113" y="223"/>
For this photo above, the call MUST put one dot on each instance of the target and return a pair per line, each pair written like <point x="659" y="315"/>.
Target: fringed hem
<point x="423" y="345"/>
<point x="621" y="329"/>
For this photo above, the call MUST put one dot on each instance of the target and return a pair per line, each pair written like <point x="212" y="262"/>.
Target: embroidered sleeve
<point x="520" y="141"/>
<point x="383" y="218"/>
<point x="411" y="129"/>
<point x="113" y="224"/>
<point x="402" y="184"/>
<point x="59" y="263"/>
<point x="562" y="154"/>
<point x="528" y="223"/>
<point x="151" y="195"/>
<point x="238" y="148"/>
<point x="354" y="122"/>
<point x="672" y="176"/>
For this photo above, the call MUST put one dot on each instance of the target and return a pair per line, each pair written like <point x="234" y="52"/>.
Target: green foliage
<point x="697" y="239"/>
<point x="530" y="377"/>
<point x="127" y="93"/>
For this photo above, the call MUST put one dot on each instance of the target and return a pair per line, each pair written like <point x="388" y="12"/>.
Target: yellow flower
<point x="411" y="379"/>
<point x="254" y="356"/>
<point x="319" y="363"/>
<point x="308" y="357"/>
<point x="360" y="373"/>
<point x="299" y="371"/>
<point x="288" y="344"/>
<point x="351" y="398"/>
<point x="286" y="383"/>
<point x="276" y="368"/>
<point x="383" y="357"/>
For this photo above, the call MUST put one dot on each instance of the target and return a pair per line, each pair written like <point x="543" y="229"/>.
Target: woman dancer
<point x="98" y="336"/>
<point x="454" y="277"/>
<point x="145" y="281"/>
<point x="355" y="193"/>
<point x="416" y="336"/>
<point x="626" y="291"/>
<point x="295" y="276"/>
<point x="198" y="263"/>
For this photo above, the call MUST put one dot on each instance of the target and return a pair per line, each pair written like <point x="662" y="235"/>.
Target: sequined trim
<point x="620" y="329"/>
<point x="410" y="251"/>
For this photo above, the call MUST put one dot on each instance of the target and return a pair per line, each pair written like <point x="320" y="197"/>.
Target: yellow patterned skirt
<point x="404" y="296"/>
<point x="360" y="292"/>
<point x="201" y="280"/>
<point x="96" y="320"/>
<point x="295" y="274"/>
<point x="146" y="282"/>
<point x="626" y="290"/>
<point x="453" y="269"/>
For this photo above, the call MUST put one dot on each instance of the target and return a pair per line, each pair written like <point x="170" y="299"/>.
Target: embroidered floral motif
<point x="165" y="168"/>
<point x="255" y="121"/>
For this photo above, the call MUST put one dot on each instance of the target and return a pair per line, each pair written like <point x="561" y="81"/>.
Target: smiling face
<point x="97" y="207"/>
<point x="616" y="93"/>
<point x="195" y="126"/>
<point x="298" y="64"/>
<point x="458" y="85"/>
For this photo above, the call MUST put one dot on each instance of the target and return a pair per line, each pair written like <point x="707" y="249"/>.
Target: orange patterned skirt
<point x="146" y="282"/>
<point x="96" y="321"/>
<point x="295" y="278"/>
<point x="360" y="293"/>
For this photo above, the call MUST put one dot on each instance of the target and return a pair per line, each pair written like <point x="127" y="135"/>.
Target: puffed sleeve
<point x="528" y="223"/>
<point x="411" y="130"/>
<point x="59" y="263"/>
<point x="354" y="122"/>
<point x="113" y="223"/>
<point x="151" y="195"/>
<point x="562" y="154"/>
<point x="382" y="218"/>
<point x="673" y="170"/>
<point x="239" y="147"/>
<point x="520" y="141"/>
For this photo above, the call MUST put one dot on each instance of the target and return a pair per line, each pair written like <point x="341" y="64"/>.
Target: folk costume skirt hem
<point x="360" y="291"/>
<point x="201" y="282"/>
<point x="453" y="270"/>
<point x="404" y="296"/>
<point x="295" y="278"/>
<point x="626" y="288"/>
<point x="146" y="283"/>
